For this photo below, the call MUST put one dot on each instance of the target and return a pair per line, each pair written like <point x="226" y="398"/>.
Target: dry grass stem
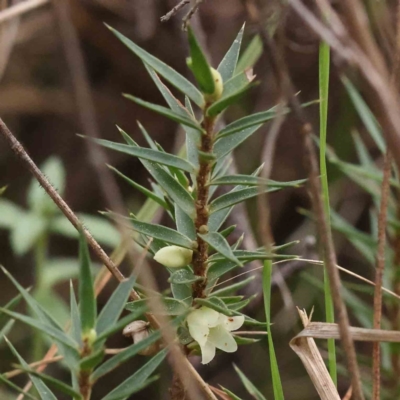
<point x="20" y="9"/>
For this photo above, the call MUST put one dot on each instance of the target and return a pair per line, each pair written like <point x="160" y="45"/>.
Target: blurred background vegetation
<point x="38" y="103"/>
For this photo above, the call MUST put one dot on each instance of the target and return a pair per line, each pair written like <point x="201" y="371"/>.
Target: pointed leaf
<point x="75" y="318"/>
<point x="251" y="54"/>
<point x="250" y="180"/>
<point x="225" y="145"/>
<point x="87" y="298"/>
<point x="183" y="276"/>
<point x="232" y="198"/>
<point x="173" y="77"/>
<point x="184" y="223"/>
<point x="219" y="243"/>
<point x="192" y="140"/>
<point x="227" y="100"/>
<point x="135" y="382"/>
<point x="163" y="233"/>
<point x="148" y="193"/>
<point x="114" y="306"/>
<point x="44" y="392"/>
<point x="120" y="325"/>
<point x="231" y="289"/>
<point x="12" y="385"/>
<point x="124" y="356"/>
<point x="199" y="65"/>
<point x="231" y="395"/>
<point x="56" y="383"/>
<point x="216" y="304"/>
<point x="227" y="66"/>
<point x="249" y="385"/>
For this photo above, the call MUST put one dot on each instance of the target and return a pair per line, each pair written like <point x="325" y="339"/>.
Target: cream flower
<point x="174" y="256"/>
<point x="212" y="330"/>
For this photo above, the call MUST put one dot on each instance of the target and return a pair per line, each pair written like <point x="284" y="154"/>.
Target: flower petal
<point x="203" y="316"/>
<point x="231" y="323"/>
<point x="222" y="339"/>
<point x="207" y="353"/>
<point x="199" y="333"/>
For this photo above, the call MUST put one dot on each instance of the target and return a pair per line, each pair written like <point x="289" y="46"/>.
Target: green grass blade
<point x="324" y="61"/>
<point x="16" y="388"/>
<point x="276" y="379"/>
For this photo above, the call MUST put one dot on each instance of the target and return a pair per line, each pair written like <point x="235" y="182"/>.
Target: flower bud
<point x="218" y="87"/>
<point x="138" y="330"/>
<point x="174" y="256"/>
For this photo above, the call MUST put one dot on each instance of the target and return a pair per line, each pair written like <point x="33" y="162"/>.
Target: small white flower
<point x="174" y="256"/>
<point x="139" y="331"/>
<point x="212" y="330"/>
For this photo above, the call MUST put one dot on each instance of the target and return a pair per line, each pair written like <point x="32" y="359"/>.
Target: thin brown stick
<point x="324" y="231"/>
<point x="189" y="15"/>
<point x="20" y="9"/>
<point x="380" y="266"/>
<point x="174" y="10"/>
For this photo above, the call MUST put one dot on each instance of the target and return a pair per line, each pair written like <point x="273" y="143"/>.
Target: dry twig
<point x="174" y="10"/>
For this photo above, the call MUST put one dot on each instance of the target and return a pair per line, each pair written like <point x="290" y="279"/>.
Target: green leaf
<point x="38" y="200"/>
<point x="245" y="255"/>
<point x="47" y="329"/>
<point x="226" y="232"/>
<point x="53" y="304"/>
<point x="92" y="360"/>
<point x="276" y="379"/>
<point x="148" y="193"/>
<point x="44" y="392"/>
<point x="249" y="385"/>
<point x="250" y="180"/>
<point x="12" y="385"/>
<point x="192" y="140"/>
<point x="163" y="233"/>
<point x="231" y="289"/>
<point x="219" y="243"/>
<point x="75" y="318"/>
<point x="56" y="383"/>
<point x="230" y="394"/>
<point x="172" y="306"/>
<point x="168" y="73"/>
<point x="249" y="121"/>
<point x="365" y="114"/>
<point x="136" y="381"/>
<point x="124" y="356"/>
<point x="199" y="65"/>
<point x="251" y="55"/>
<point x="235" y="197"/>
<point x="66" y="345"/>
<point x="225" y="145"/>
<point x="26" y="232"/>
<point x="184" y="224"/>
<point x="183" y="276"/>
<point x="120" y="325"/>
<point x="166" y="112"/>
<point x="239" y="305"/>
<point x="237" y="83"/>
<point x="228" y="64"/>
<point x="114" y="306"/>
<point x="148" y="154"/>
<point x="227" y="100"/>
<point x="219" y="268"/>
<point x="216" y="304"/>
<point x="87" y="298"/>
<point x="10" y="213"/>
<point x="10" y="306"/>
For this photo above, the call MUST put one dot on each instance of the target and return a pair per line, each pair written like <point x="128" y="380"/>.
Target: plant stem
<point x="324" y="60"/>
<point x="200" y="256"/>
